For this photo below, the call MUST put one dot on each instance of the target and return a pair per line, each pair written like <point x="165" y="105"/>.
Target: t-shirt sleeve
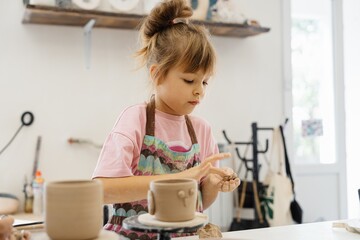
<point x="116" y="157"/>
<point x="121" y="150"/>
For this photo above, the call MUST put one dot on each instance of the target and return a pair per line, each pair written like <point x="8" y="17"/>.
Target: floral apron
<point x="155" y="158"/>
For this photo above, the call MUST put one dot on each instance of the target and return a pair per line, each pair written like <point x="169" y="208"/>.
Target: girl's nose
<point x="199" y="90"/>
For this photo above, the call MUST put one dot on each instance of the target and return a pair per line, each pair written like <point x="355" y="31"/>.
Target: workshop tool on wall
<point x="87" y="42"/>
<point x="83" y="142"/>
<point x="28" y="188"/>
<point x="36" y="159"/>
<point x="27" y="118"/>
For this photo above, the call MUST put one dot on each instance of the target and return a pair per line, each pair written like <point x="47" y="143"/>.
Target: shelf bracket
<point x="87" y="42"/>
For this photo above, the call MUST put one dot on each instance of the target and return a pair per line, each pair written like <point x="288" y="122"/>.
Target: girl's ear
<point x="153" y="72"/>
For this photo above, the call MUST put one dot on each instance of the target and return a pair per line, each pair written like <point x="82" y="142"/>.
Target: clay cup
<point x="173" y="200"/>
<point x="73" y="209"/>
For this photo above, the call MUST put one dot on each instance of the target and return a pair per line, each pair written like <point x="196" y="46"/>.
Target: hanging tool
<point x="27" y="118"/>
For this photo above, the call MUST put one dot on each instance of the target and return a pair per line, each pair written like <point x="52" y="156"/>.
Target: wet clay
<point x="209" y="231"/>
<point x="230" y="177"/>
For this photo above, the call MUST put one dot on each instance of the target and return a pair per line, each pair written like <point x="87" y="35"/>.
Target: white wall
<point x="42" y="70"/>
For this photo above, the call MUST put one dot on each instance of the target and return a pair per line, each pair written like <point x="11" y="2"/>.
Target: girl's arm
<point x="129" y="189"/>
<point x="134" y="188"/>
<point x="209" y="192"/>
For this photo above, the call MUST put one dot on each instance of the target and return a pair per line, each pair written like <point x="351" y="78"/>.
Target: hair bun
<point x="163" y="15"/>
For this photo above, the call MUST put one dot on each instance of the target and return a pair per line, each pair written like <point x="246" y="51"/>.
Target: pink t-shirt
<point x="120" y="154"/>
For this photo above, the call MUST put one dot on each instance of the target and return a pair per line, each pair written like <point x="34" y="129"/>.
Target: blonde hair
<point x="169" y="40"/>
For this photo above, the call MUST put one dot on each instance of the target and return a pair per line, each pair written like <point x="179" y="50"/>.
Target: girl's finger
<point x="218" y="171"/>
<point x="234" y="184"/>
<point x="216" y="157"/>
<point x="205" y="170"/>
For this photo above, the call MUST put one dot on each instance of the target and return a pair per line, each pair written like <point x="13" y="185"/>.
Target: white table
<point x="308" y="231"/>
<point x="38" y="232"/>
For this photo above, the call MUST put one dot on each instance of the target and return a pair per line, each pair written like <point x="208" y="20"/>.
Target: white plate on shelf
<point x="43" y="2"/>
<point x="150" y="220"/>
<point x="87" y="4"/>
<point x="124" y="5"/>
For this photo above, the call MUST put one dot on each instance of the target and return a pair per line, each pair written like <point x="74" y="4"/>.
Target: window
<point x="313" y="82"/>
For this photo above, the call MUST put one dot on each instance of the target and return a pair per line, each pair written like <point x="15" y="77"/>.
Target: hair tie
<point x="179" y="20"/>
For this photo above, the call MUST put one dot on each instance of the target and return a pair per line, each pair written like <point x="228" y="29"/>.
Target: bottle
<point x="38" y="190"/>
<point x="29" y="199"/>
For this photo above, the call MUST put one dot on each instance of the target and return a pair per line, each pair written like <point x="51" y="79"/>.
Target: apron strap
<point x="191" y="130"/>
<point x="150" y="121"/>
<point x="150" y="117"/>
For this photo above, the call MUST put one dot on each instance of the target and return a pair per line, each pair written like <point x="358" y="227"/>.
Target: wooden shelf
<point x="74" y="17"/>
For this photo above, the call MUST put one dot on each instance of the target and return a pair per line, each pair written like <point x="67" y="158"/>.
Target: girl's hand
<point x="224" y="183"/>
<point x="205" y="168"/>
<point x="5" y="227"/>
<point x="230" y="182"/>
<point x="7" y="232"/>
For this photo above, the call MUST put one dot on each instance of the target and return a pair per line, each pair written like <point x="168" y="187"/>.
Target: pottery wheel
<point x="150" y="220"/>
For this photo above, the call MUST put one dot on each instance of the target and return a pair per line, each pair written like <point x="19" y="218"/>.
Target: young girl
<point x="159" y="140"/>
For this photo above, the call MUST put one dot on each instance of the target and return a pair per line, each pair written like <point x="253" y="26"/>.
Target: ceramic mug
<point x="173" y="200"/>
<point x="73" y="209"/>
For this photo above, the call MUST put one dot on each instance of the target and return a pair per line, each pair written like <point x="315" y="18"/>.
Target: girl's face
<point x="179" y="92"/>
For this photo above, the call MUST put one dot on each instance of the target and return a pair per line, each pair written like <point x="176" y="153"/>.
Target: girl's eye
<point x="188" y="81"/>
<point x="205" y="83"/>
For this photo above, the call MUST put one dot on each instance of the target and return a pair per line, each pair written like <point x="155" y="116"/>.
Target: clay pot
<point x="73" y="209"/>
<point x="200" y="13"/>
<point x="173" y="200"/>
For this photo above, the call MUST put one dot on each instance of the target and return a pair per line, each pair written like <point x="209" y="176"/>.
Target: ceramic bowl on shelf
<point x="149" y="5"/>
<point x="201" y="11"/>
<point x="9" y="204"/>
